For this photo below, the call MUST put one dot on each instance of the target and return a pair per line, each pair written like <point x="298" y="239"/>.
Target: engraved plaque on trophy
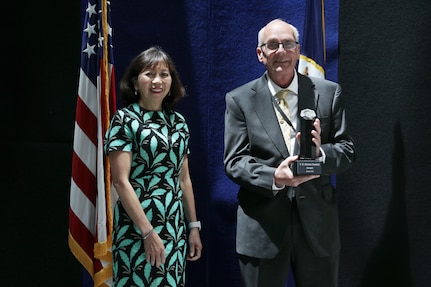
<point x="306" y="164"/>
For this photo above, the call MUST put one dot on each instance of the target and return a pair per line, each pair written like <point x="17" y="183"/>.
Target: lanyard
<point x="277" y="106"/>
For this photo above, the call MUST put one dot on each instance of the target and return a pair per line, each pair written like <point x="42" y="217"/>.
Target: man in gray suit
<point x="285" y="221"/>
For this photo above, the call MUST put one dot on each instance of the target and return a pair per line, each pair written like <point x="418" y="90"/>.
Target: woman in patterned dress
<point x="148" y="145"/>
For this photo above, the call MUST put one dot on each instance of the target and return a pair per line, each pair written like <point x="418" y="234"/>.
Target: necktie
<point x="285" y="127"/>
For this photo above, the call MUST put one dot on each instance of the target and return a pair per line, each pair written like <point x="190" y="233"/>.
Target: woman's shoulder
<point x="175" y="114"/>
<point x="129" y="110"/>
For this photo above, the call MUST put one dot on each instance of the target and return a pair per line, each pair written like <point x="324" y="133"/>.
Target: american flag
<point x="313" y="46"/>
<point x="90" y="212"/>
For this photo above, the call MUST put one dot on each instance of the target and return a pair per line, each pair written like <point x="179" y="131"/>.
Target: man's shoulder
<point x="321" y="81"/>
<point x="248" y="87"/>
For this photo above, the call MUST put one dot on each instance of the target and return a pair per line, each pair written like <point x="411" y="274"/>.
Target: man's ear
<point x="260" y="54"/>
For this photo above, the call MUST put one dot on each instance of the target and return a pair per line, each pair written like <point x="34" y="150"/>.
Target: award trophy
<point x="306" y="164"/>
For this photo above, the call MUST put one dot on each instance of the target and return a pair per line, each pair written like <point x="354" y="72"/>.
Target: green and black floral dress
<point x="158" y="141"/>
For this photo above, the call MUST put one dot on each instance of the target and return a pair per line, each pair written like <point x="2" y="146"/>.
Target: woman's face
<point x="153" y="84"/>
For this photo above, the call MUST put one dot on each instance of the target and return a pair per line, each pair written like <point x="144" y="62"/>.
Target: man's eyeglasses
<point x="287" y="45"/>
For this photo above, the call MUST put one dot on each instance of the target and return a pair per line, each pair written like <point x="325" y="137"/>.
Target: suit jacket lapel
<point x="307" y="98"/>
<point x="306" y="94"/>
<point x="263" y="107"/>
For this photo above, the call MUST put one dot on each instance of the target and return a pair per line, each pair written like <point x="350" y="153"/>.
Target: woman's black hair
<point x="146" y="59"/>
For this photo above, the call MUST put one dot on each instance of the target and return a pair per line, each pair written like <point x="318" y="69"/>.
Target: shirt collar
<point x="293" y="87"/>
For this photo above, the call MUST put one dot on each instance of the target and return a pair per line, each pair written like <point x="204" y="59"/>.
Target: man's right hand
<point x="284" y="176"/>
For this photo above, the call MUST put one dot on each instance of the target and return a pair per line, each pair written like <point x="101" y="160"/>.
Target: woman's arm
<point x="195" y="244"/>
<point x="120" y="169"/>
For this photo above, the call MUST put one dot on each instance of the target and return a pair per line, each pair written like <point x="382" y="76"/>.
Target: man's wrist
<point x="277" y="187"/>
<point x="322" y="157"/>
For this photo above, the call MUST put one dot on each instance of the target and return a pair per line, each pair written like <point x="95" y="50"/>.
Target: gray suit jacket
<point x="254" y="147"/>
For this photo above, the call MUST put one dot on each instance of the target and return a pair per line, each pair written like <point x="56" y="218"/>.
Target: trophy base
<point x="307" y="167"/>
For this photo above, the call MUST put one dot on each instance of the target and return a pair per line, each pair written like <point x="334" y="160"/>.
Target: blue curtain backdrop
<point x="213" y="44"/>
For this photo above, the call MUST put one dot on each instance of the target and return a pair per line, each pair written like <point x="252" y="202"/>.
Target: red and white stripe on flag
<point x="90" y="212"/>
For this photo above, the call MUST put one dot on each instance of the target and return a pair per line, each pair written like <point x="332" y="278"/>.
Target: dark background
<point x="384" y="69"/>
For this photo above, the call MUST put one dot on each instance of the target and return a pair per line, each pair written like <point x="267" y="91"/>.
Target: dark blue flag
<point x="313" y="48"/>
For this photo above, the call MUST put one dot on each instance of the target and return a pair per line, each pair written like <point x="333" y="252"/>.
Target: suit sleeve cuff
<point x="275" y="188"/>
<point x="322" y="158"/>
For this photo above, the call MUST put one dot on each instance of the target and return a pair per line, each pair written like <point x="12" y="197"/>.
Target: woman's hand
<point x="195" y="245"/>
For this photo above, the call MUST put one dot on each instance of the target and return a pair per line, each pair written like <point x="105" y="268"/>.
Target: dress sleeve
<point x="181" y="129"/>
<point x="119" y="136"/>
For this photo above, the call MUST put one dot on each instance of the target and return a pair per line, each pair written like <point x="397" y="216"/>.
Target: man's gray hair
<point x="260" y="34"/>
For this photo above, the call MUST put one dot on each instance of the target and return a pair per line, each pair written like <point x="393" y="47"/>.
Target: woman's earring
<point x="136" y="92"/>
